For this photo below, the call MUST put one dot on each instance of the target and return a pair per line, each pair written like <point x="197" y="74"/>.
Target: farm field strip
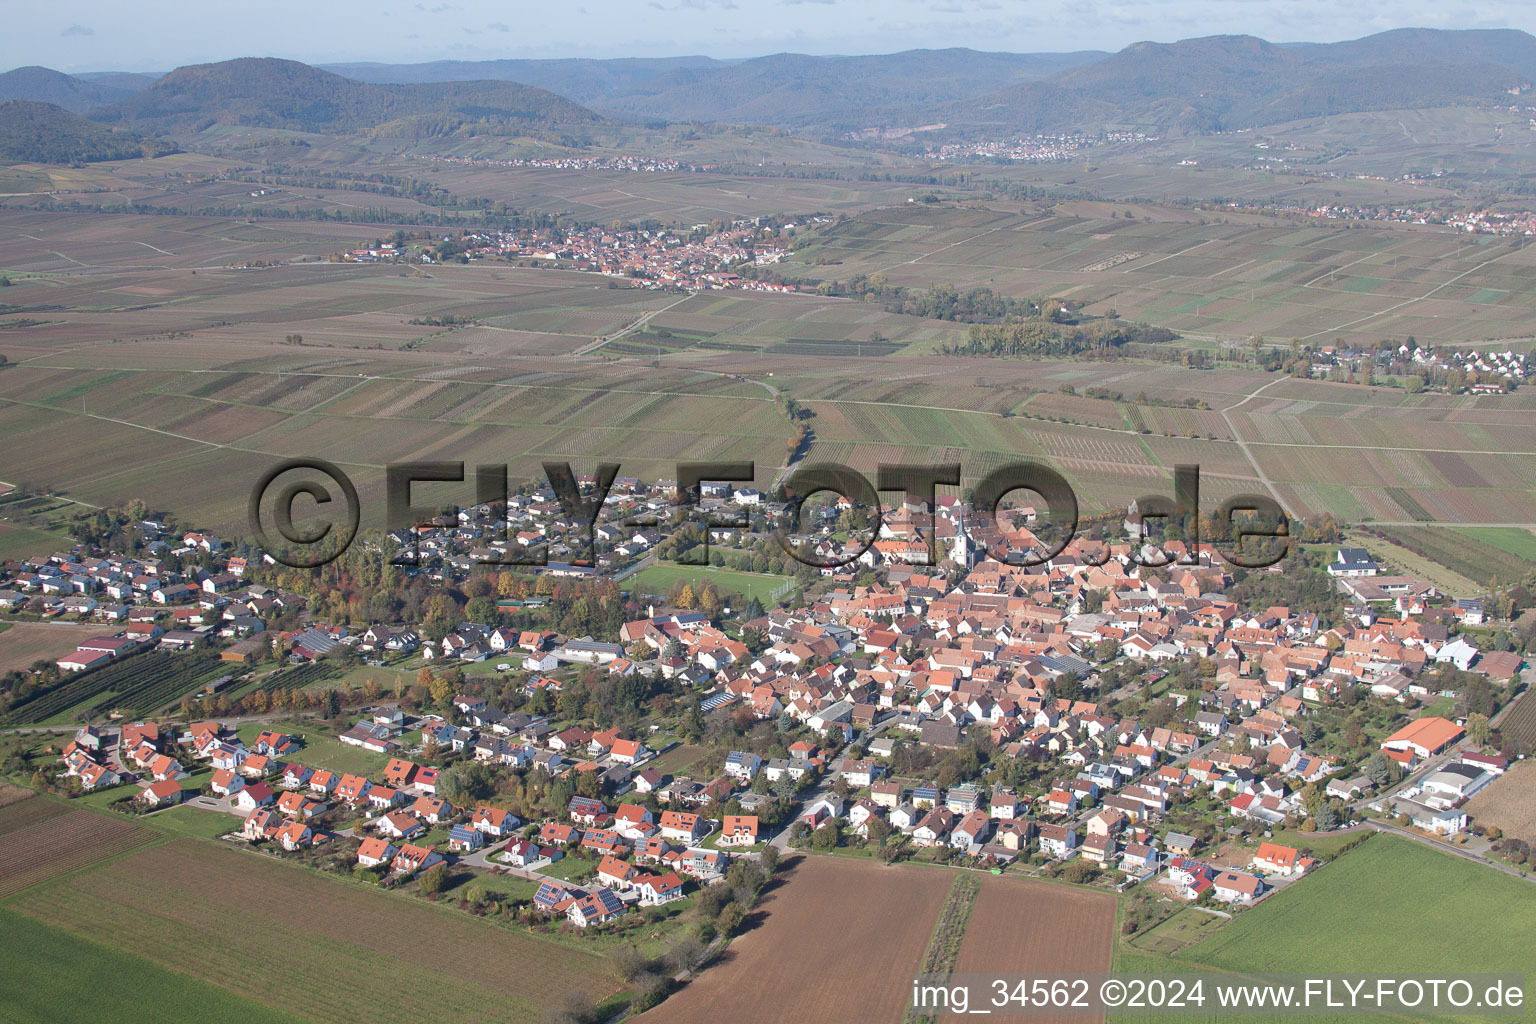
<point x="212" y="911"/>
<point x="855" y="969"/>
<point x="22" y="809"/>
<point x="1025" y="927"/>
<point x="62" y="844"/>
<point x="1509" y="803"/>
<point x="41" y="967"/>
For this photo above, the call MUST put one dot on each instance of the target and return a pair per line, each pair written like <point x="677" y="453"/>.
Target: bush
<point x="434" y="880"/>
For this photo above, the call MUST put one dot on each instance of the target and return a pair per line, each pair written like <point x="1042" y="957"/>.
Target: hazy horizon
<point x="96" y="36"/>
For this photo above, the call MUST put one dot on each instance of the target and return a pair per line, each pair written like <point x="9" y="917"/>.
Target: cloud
<point x="497" y="26"/>
<point x="435" y="9"/>
<point x="78" y="30"/>
<point x="797" y="3"/>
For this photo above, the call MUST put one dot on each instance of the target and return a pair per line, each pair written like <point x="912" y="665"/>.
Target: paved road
<point x="780" y="842"/>
<point x="227" y="720"/>
<point x="1238" y="437"/>
<point x="645" y="319"/>
<point x="1393" y="828"/>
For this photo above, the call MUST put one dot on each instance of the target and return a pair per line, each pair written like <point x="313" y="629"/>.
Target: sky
<point x="157" y="35"/>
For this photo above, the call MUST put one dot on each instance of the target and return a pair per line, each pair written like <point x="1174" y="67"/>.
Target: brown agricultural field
<point x="1509" y="803"/>
<point x="256" y="926"/>
<point x="1519" y="724"/>
<point x="61" y="844"/>
<point x="10" y="795"/>
<point x="1036" y="929"/>
<point x="26" y="642"/>
<point x="838" y="940"/>
<point x="21" y="807"/>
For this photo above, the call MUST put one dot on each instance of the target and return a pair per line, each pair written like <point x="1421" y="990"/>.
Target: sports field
<point x="661" y="578"/>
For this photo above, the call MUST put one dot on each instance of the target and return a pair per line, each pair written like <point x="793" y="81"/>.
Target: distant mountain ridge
<point x="44" y="85"/>
<point x="1226" y="82"/>
<point x="788" y="89"/>
<point x="272" y="93"/>
<point x="1206" y="84"/>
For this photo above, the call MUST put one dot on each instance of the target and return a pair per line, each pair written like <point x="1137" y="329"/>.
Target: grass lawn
<point x="1324" y="843"/>
<point x="333" y="755"/>
<point x="385" y="677"/>
<point x="712" y="842"/>
<point x="1183" y="929"/>
<point x="570" y="869"/>
<point x="101" y="799"/>
<point x="659" y="579"/>
<point x="41" y="968"/>
<point x="322" y="750"/>
<point x="677" y="760"/>
<point x="511" y="887"/>
<point x="193" y="821"/>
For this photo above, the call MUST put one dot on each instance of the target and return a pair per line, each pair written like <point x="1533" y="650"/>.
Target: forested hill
<point x="44" y="85"/>
<point x="782" y="88"/>
<point x="271" y="93"/>
<point x="1227" y="82"/>
<point x="45" y="134"/>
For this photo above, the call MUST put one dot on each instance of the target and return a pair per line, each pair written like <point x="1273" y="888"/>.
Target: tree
<point x="435" y="880"/>
<point x="626" y="962"/>
<point x="1477" y="729"/>
<point x="1379" y="770"/>
<point x="685" y="955"/>
<point x="730" y="918"/>
<point x="691" y="728"/>
<point x="1080" y="871"/>
<point x="1326" y="818"/>
<point x="441" y="691"/>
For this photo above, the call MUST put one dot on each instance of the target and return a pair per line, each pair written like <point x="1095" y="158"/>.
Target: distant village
<point x="707" y="257"/>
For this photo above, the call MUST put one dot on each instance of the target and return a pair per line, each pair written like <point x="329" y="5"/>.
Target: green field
<point x="178" y="904"/>
<point x="1521" y="543"/>
<point x="193" y="821"/>
<point x="323" y="751"/>
<point x="660" y="579"/>
<point x="1389" y="907"/>
<point x="1476" y="554"/>
<point x="41" y="968"/>
<point x="570" y="869"/>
